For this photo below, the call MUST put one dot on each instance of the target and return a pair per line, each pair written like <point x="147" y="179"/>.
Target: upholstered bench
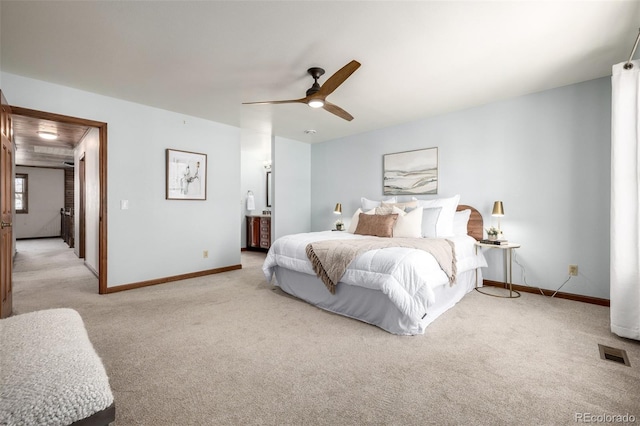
<point x="50" y="373"/>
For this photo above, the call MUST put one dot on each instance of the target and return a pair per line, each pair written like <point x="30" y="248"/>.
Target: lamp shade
<point x="338" y="209"/>
<point x="498" y="209"/>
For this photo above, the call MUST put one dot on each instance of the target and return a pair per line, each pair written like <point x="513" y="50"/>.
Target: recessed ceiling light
<point x="48" y="135"/>
<point x="310" y="132"/>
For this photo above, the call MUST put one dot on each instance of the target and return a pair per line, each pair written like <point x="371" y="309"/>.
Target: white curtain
<point x="625" y="201"/>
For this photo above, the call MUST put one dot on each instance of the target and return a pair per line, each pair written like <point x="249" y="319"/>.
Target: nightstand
<point x="507" y="250"/>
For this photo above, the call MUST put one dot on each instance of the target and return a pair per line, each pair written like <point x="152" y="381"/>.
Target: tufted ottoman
<point x="49" y="372"/>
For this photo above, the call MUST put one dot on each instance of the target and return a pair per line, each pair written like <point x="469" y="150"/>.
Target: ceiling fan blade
<point x="338" y="78"/>
<point x="290" y="101"/>
<point x="335" y="109"/>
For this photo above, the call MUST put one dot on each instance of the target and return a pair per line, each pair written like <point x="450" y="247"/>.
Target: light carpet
<point x="230" y="349"/>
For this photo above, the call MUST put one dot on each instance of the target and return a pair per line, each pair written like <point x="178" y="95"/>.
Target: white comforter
<point x="400" y="273"/>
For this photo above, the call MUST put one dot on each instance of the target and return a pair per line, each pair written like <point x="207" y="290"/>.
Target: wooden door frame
<point x="102" y="166"/>
<point x="7" y="193"/>
<point x="82" y="207"/>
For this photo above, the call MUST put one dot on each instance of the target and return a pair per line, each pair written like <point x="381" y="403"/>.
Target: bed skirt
<point x="373" y="306"/>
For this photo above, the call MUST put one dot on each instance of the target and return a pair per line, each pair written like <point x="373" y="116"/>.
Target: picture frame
<point x="186" y="175"/>
<point x="410" y="172"/>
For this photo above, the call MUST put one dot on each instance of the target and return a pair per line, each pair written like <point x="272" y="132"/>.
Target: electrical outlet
<point x="205" y="254"/>
<point x="573" y="270"/>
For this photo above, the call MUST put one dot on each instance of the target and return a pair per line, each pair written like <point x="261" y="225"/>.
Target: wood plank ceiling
<point x="32" y="150"/>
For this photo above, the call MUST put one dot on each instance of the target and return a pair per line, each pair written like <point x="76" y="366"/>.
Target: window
<point x="22" y="193"/>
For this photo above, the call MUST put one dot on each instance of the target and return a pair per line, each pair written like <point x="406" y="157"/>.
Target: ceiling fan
<point x="316" y="94"/>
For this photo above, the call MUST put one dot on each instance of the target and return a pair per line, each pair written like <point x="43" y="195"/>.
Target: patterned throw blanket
<point x="331" y="258"/>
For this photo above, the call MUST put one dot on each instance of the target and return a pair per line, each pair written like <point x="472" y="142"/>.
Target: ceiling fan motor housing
<point x="313" y="89"/>
<point x="316" y="73"/>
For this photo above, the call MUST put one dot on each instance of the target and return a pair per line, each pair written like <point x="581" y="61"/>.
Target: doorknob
<point x="6" y="224"/>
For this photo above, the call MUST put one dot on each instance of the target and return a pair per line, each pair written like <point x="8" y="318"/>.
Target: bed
<point x="399" y="289"/>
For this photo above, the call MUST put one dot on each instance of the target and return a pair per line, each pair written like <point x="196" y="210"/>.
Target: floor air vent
<point x="614" y="354"/>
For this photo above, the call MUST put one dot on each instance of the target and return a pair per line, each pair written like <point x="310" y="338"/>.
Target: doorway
<point x="98" y="204"/>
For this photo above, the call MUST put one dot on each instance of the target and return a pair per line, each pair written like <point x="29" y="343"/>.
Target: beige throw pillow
<point x="384" y="210"/>
<point x="354" y="219"/>
<point x="376" y="225"/>
<point x="402" y="206"/>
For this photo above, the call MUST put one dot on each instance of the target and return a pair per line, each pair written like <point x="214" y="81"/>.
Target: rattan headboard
<point x="475" y="227"/>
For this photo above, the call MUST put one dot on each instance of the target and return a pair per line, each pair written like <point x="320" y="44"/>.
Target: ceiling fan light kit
<point x="316" y="95"/>
<point x="316" y="103"/>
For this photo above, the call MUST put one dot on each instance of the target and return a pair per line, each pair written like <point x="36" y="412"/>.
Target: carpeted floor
<point x="232" y="349"/>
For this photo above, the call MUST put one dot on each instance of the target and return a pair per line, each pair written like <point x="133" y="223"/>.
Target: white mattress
<point x="366" y="292"/>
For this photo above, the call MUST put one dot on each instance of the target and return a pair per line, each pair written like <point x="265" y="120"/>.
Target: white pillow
<point x="429" y="221"/>
<point x="408" y="225"/>
<point x="355" y="218"/>
<point x="460" y="222"/>
<point x="444" y="227"/>
<point x="372" y="204"/>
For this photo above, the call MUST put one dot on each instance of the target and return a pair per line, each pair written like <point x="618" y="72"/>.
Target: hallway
<point x="47" y="274"/>
<point x="47" y="268"/>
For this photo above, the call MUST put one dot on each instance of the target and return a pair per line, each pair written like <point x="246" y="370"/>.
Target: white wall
<point x="89" y="147"/>
<point x="291" y="183"/>
<point x="545" y="155"/>
<point x="155" y="237"/>
<point x="46" y="198"/>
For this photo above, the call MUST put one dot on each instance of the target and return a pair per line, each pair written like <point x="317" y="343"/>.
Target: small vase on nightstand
<point x="493" y="237"/>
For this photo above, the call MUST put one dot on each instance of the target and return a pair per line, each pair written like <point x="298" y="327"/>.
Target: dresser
<point x="258" y="232"/>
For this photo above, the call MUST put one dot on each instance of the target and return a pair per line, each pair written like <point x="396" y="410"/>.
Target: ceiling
<point x="32" y="150"/>
<point x="419" y="58"/>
